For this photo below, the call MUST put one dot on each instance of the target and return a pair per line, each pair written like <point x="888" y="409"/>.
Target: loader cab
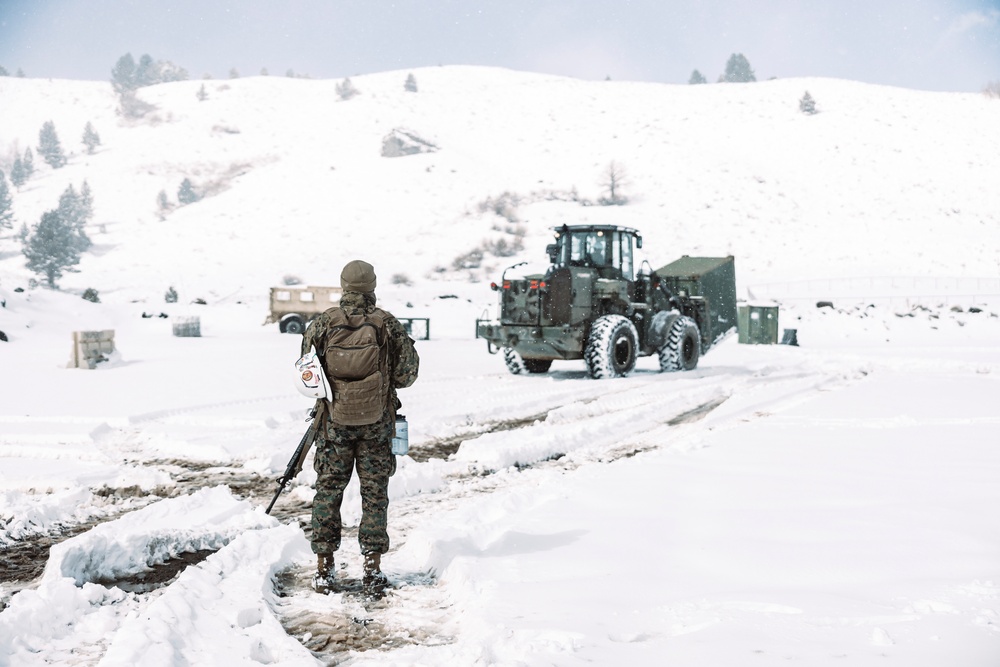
<point x="607" y="248"/>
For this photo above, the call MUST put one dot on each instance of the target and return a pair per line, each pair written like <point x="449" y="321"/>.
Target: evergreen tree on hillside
<point x="234" y="73"/>
<point x="90" y="138"/>
<point x="162" y="202"/>
<point x="738" y="70"/>
<point x="202" y="94"/>
<point x="697" y="77"/>
<point x="186" y="193"/>
<point x="49" y="147"/>
<point x="86" y="202"/>
<point x="20" y="73"/>
<point x="6" y="205"/>
<point x="3" y="71"/>
<point x="807" y="104"/>
<point x="75" y="212"/>
<point x="146" y="72"/>
<point x="346" y="89"/>
<point x="51" y="247"/>
<point x="29" y="163"/>
<point x="18" y="175"/>
<point x="411" y="83"/>
<point x="124" y="75"/>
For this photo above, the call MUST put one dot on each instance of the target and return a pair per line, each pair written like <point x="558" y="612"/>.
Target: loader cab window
<point x="609" y="251"/>
<point x="588" y="249"/>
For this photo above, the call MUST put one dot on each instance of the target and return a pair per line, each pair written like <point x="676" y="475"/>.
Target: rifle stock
<point x="295" y="463"/>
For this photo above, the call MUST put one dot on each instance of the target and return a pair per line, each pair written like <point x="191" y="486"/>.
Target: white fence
<point x="896" y="291"/>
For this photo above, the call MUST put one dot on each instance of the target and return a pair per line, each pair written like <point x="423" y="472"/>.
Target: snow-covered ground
<point x="834" y="502"/>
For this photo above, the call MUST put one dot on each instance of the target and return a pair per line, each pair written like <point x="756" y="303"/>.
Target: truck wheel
<point x="292" y="325"/>
<point x="515" y="364"/>
<point x="519" y="366"/>
<point x="683" y="346"/>
<point x="611" y="348"/>
<point x="537" y="365"/>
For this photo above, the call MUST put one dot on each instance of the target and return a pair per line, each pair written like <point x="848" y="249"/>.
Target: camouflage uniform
<point x="339" y="449"/>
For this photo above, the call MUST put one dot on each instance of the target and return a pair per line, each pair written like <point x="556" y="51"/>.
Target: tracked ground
<point x="445" y="447"/>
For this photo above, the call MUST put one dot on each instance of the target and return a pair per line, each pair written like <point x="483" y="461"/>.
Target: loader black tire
<point x="537" y="365"/>
<point x="518" y="365"/>
<point x="611" y="348"/>
<point x="683" y="347"/>
<point x="514" y="362"/>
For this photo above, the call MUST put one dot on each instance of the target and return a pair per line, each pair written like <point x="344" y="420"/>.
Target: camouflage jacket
<point x="403" y="360"/>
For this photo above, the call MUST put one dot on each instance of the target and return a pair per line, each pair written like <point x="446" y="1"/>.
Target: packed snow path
<point x="491" y="451"/>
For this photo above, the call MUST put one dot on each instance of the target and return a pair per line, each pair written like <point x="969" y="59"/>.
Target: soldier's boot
<point x="324" y="582"/>
<point x="374" y="581"/>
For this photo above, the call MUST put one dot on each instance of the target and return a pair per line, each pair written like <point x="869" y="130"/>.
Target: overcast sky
<point x="951" y="45"/>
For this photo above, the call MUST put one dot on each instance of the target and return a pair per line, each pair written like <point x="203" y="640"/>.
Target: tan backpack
<point x="356" y="359"/>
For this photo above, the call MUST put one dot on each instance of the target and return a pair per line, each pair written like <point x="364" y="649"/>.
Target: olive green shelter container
<point x="712" y="279"/>
<point x="758" y="324"/>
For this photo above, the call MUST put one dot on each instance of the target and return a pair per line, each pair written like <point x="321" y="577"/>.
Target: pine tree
<point x="20" y="73"/>
<point x="162" y="202"/>
<point x="52" y="247"/>
<point x="49" y="147"/>
<point x="234" y="73"/>
<point x="6" y="205"/>
<point x="146" y="72"/>
<point x="18" y="174"/>
<point x="86" y="202"/>
<point x="346" y="89"/>
<point x="3" y="71"/>
<point x="74" y="212"/>
<point x="29" y="163"/>
<point x="411" y="83"/>
<point x="90" y="138"/>
<point x="124" y="77"/>
<point x="807" y="104"/>
<point x="186" y="193"/>
<point x="738" y="70"/>
<point x="202" y="94"/>
<point x="697" y="77"/>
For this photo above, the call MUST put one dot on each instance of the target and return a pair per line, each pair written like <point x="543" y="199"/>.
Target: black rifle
<point x="295" y="464"/>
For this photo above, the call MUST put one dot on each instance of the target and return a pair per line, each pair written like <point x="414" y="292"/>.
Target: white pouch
<point x="312" y="380"/>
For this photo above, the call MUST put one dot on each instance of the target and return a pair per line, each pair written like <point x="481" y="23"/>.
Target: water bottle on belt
<point x="401" y="443"/>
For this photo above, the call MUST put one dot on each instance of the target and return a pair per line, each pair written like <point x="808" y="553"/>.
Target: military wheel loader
<point x="593" y="303"/>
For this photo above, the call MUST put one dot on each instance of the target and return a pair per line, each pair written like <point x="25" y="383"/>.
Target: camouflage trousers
<point x="367" y="449"/>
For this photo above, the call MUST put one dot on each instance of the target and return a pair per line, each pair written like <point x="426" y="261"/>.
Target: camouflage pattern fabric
<point x="367" y="449"/>
<point x="341" y="449"/>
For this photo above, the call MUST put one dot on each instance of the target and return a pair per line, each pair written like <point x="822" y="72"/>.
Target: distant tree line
<point x="737" y="70"/>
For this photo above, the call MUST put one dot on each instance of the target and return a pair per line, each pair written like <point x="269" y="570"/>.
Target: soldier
<point x="367" y="356"/>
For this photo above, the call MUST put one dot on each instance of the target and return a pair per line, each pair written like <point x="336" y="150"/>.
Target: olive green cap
<point x="358" y="276"/>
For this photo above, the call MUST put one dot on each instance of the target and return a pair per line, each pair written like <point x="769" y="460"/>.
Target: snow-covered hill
<point x="882" y="181"/>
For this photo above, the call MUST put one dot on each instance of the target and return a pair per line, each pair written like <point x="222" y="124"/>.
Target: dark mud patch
<point x="157" y="576"/>
<point x="24" y="561"/>
<point x="445" y="447"/>
<point x="333" y="626"/>
<point x="698" y="413"/>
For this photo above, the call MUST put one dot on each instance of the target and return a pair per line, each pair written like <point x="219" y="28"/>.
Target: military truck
<point x="293" y="306"/>
<point x="593" y="303"/>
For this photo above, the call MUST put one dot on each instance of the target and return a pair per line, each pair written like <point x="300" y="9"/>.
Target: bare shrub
<point x="503" y="248"/>
<point x="613" y="180"/>
<point x="992" y="89"/>
<point x="401" y="279"/>
<point x="132" y="107"/>
<point x="504" y="205"/>
<point x="469" y="260"/>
